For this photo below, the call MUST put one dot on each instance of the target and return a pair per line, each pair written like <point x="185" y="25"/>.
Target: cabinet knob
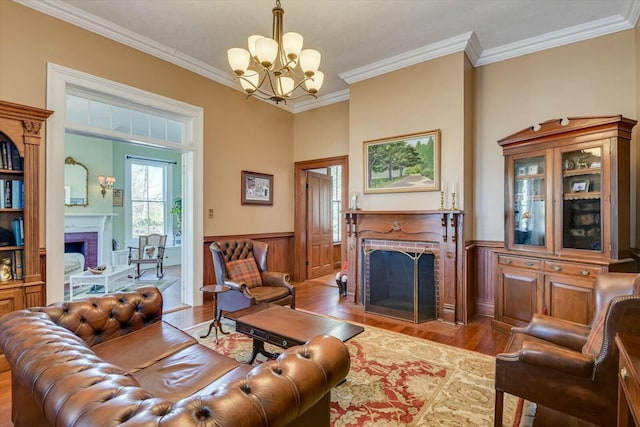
<point x="507" y="261"/>
<point x="585" y="272"/>
<point x="623" y="373"/>
<point x="557" y="268"/>
<point x="529" y="264"/>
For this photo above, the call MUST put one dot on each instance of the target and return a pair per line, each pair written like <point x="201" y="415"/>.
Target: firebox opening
<point x="401" y="285"/>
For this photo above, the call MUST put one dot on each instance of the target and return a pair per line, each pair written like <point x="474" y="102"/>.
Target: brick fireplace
<point x="437" y="234"/>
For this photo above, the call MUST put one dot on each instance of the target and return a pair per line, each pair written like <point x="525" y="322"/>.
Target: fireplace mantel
<point x="442" y="227"/>
<point x="100" y="223"/>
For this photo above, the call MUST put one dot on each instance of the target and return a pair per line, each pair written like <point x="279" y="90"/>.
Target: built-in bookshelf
<point x="21" y="284"/>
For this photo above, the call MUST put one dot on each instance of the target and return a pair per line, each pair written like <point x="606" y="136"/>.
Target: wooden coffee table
<point x="284" y="327"/>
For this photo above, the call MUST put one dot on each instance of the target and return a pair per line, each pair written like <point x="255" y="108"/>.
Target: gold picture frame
<point x="403" y="163"/>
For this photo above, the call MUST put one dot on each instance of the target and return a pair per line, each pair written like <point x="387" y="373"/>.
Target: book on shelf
<point x="16" y="160"/>
<point x="3" y="155"/>
<point x="16" y="192"/>
<point x="17" y="226"/>
<point x="17" y="257"/>
<point x="11" y="194"/>
<point x="7" y="193"/>
<point x="9" y="157"/>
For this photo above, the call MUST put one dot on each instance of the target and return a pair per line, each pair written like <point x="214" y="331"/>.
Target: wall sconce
<point x="106" y="184"/>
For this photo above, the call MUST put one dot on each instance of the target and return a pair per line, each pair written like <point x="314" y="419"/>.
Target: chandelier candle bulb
<point x="238" y="60"/>
<point x="310" y="61"/>
<point x="313" y="84"/>
<point x="266" y="51"/>
<point x="292" y="45"/>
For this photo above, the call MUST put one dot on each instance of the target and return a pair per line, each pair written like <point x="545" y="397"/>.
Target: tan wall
<point x="321" y="133"/>
<point x="387" y="106"/>
<point x="594" y="77"/>
<point x="238" y="134"/>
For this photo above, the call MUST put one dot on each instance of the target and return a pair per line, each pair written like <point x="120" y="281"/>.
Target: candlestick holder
<point x="442" y="200"/>
<point x="453" y="201"/>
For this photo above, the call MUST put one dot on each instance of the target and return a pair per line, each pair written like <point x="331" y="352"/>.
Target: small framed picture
<point x="533" y="170"/>
<point x="257" y="188"/>
<point x="117" y="197"/>
<point x="522" y="170"/>
<point x="580" y="186"/>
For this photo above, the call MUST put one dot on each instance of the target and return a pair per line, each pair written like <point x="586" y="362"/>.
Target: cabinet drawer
<point x="629" y="382"/>
<point x="513" y="261"/>
<point x="572" y="269"/>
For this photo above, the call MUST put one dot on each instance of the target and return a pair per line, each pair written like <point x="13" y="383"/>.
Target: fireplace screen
<point x="400" y="284"/>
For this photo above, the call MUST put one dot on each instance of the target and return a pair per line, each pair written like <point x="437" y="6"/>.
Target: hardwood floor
<point x="321" y="296"/>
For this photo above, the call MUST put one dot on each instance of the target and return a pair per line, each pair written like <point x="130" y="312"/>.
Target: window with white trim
<point x="336" y="207"/>
<point x="147" y="211"/>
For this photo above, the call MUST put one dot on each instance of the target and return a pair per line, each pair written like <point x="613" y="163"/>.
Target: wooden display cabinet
<point x="567" y="217"/>
<point x="21" y="284"/>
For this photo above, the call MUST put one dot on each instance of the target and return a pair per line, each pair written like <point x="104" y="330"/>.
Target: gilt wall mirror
<point x="76" y="183"/>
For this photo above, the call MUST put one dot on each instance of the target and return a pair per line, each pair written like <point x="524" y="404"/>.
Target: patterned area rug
<point x="397" y="380"/>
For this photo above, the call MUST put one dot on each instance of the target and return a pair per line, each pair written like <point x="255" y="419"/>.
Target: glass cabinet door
<point x="581" y="201"/>
<point x="529" y="201"/>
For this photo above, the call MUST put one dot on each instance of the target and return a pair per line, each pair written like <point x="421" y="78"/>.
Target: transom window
<point x="95" y="111"/>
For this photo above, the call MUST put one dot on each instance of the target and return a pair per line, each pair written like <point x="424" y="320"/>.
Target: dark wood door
<point x="319" y="225"/>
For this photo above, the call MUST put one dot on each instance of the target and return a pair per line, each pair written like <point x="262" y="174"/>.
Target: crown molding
<point x="633" y="13"/>
<point x="328" y="99"/>
<point x="577" y="33"/>
<point x="467" y="42"/>
<point x="82" y="19"/>
<point x="412" y="57"/>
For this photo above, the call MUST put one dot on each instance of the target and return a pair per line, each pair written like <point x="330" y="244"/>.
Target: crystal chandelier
<point x="277" y="68"/>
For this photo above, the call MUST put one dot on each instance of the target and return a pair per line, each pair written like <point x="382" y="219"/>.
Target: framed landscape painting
<point x="403" y="163"/>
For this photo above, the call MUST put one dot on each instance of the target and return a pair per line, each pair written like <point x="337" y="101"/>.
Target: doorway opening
<point x="120" y="104"/>
<point x="309" y="215"/>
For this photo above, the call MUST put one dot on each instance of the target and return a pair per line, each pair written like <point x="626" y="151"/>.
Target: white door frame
<point x="58" y="78"/>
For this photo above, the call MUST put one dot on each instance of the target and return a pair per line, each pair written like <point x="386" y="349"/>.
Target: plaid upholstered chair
<point x="242" y="265"/>
<point x="569" y="367"/>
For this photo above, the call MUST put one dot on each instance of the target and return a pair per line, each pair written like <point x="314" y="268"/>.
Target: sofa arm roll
<point x="274" y="393"/>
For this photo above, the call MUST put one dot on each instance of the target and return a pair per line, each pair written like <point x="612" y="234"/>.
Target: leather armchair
<point x="275" y="287"/>
<point x="547" y="362"/>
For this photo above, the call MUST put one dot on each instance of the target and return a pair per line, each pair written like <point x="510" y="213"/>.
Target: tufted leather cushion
<point x="233" y="250"/>
<point x="102" y="318"/>
<point x="245" y="271"/>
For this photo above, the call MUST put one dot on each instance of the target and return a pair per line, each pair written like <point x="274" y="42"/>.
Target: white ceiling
<point x="358" y="39"/>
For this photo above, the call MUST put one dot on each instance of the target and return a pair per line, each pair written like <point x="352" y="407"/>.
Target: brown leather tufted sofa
<point x="112" y="360"/>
